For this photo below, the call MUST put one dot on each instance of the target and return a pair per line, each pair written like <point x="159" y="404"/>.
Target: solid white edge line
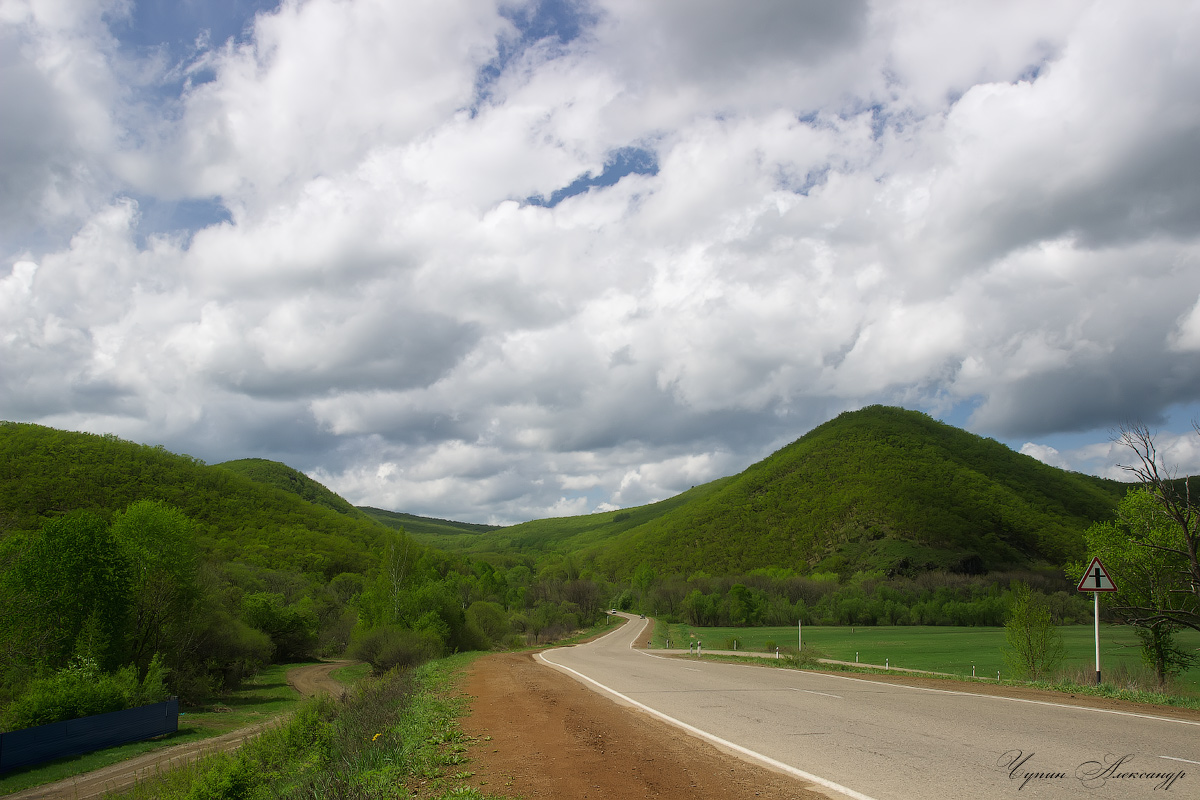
<point x="768" y="761"/>
<point x="1009" y="699"/>
<point x="949" y="691"/>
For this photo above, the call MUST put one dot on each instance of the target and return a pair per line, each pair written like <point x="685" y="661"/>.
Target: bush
<point x="80" y="690"/>
<point x="390" y="646"/>
<point x="808" y="658"/>
<point x="490" y="620"/>
<point x="292" y="627"/>
<point x="232" y="652"/>
<point x="1035" y="645"/>
<point x="225" y="777"/>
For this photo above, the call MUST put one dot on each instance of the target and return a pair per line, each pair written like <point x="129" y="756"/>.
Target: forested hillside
<point x="878" y="489"/>
<point x="293" y="481"/>
<point x="881" y="489"/>
<point x="121" y="563"/>
<point x="556" y="537"/>
<point x="437" y="532"/>
<point x="45" y="473"/>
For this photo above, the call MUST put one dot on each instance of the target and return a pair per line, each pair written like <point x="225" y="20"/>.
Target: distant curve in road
<point x="882" y="741"/>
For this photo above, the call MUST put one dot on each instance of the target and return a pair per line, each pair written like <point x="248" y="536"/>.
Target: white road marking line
<point x="691" y="669"/>
<point x="823" y="694"/>
<point x="967" y="694"/>
<point x="767" y="760"/>
<point x="877" y="684"/>
<point x="1184" y="760"/>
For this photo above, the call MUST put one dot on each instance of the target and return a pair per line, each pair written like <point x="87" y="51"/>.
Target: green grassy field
<point x="939" y="649"/>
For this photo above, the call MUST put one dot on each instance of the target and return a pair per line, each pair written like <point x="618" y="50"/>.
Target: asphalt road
<point x="867" y="739"/>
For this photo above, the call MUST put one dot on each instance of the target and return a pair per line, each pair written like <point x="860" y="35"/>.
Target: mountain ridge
<point x="881" y="488"/>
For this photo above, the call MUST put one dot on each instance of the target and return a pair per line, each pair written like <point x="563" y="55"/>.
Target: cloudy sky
<point x="493" y="260"/>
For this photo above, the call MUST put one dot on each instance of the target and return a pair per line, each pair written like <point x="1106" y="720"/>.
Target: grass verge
<point x="393" y="736"/>
<point x="1120" y="685"/>
<point x="607" y="625"/>
<point x="350" y="675"/>
<point x="965" y="652"/>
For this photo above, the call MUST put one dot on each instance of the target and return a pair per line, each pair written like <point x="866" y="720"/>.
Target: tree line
<point x="780" y="597"/>
<point x="86" y="600"/>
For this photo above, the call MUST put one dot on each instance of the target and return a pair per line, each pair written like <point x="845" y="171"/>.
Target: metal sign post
<point x="1096" y="580"/>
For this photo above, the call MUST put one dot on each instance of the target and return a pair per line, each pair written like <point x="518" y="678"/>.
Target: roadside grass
<point x="957" y="650"/>
<point x="264" y="697"/>
<point x="351" y="674"/>
<point x="394" y="736"/>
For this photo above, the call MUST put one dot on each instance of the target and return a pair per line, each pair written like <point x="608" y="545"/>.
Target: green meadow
<point x="934" y="648"/>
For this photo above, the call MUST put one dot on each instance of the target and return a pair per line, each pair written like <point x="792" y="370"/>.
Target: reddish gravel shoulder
<point x="539" y="733"/>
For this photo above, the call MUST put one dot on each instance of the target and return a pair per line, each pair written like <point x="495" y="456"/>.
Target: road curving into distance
<point x="872" y="740"/>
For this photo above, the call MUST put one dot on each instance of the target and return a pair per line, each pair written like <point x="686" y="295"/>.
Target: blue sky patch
<point x="622" y="162"/>
<point x="175" y="216"/>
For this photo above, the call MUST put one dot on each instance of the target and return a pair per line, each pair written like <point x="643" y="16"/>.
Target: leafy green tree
<point x="73" y="583"/>
<point x="1181" y="548"/>
<point x="643" y="578"/>
<point x="490" y="619"/>
<point x="161" y="543"/>
<point x="1035" y="644"/>
<point x="744" y="605"/>
<point x="1140" y="549"/>
<point x="292" y="627"/>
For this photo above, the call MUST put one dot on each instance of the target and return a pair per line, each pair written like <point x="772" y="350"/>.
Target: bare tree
<point x="1173" y="495"/>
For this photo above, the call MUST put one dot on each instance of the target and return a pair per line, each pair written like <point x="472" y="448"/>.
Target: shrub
<point x="80" y="689"/>
<point x="1035" y="644"/>
<point x="225" y="777"/>
<point x="490" y="619"/>
<point x="391" y="646"/>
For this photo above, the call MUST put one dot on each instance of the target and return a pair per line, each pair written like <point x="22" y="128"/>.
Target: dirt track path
<point x="309" y="680"/>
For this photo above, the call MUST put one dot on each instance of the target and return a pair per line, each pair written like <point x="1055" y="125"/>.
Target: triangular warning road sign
<point x="1096" y="579"/>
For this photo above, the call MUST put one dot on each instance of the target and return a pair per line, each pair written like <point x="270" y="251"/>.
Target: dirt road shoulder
<point x="539" y="733"/>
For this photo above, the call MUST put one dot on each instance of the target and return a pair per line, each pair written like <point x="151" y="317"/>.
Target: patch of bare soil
<point x="308" y="680"/>
<point x="313" y="680"/>
<point x="539" y="733"/>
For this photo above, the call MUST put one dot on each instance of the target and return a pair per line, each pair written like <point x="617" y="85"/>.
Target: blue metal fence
<point x="75" y="736"/>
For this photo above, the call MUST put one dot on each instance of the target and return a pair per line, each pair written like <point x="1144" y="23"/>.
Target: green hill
<point x="45" y="473"/>
<point x="430" y="530"/>
<point x="130" y="556"/>
<point x="877" y="489"/>
<point x="281" y="476"/>
<point x="881" y="488"/>
<point x="561" y="535"/>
